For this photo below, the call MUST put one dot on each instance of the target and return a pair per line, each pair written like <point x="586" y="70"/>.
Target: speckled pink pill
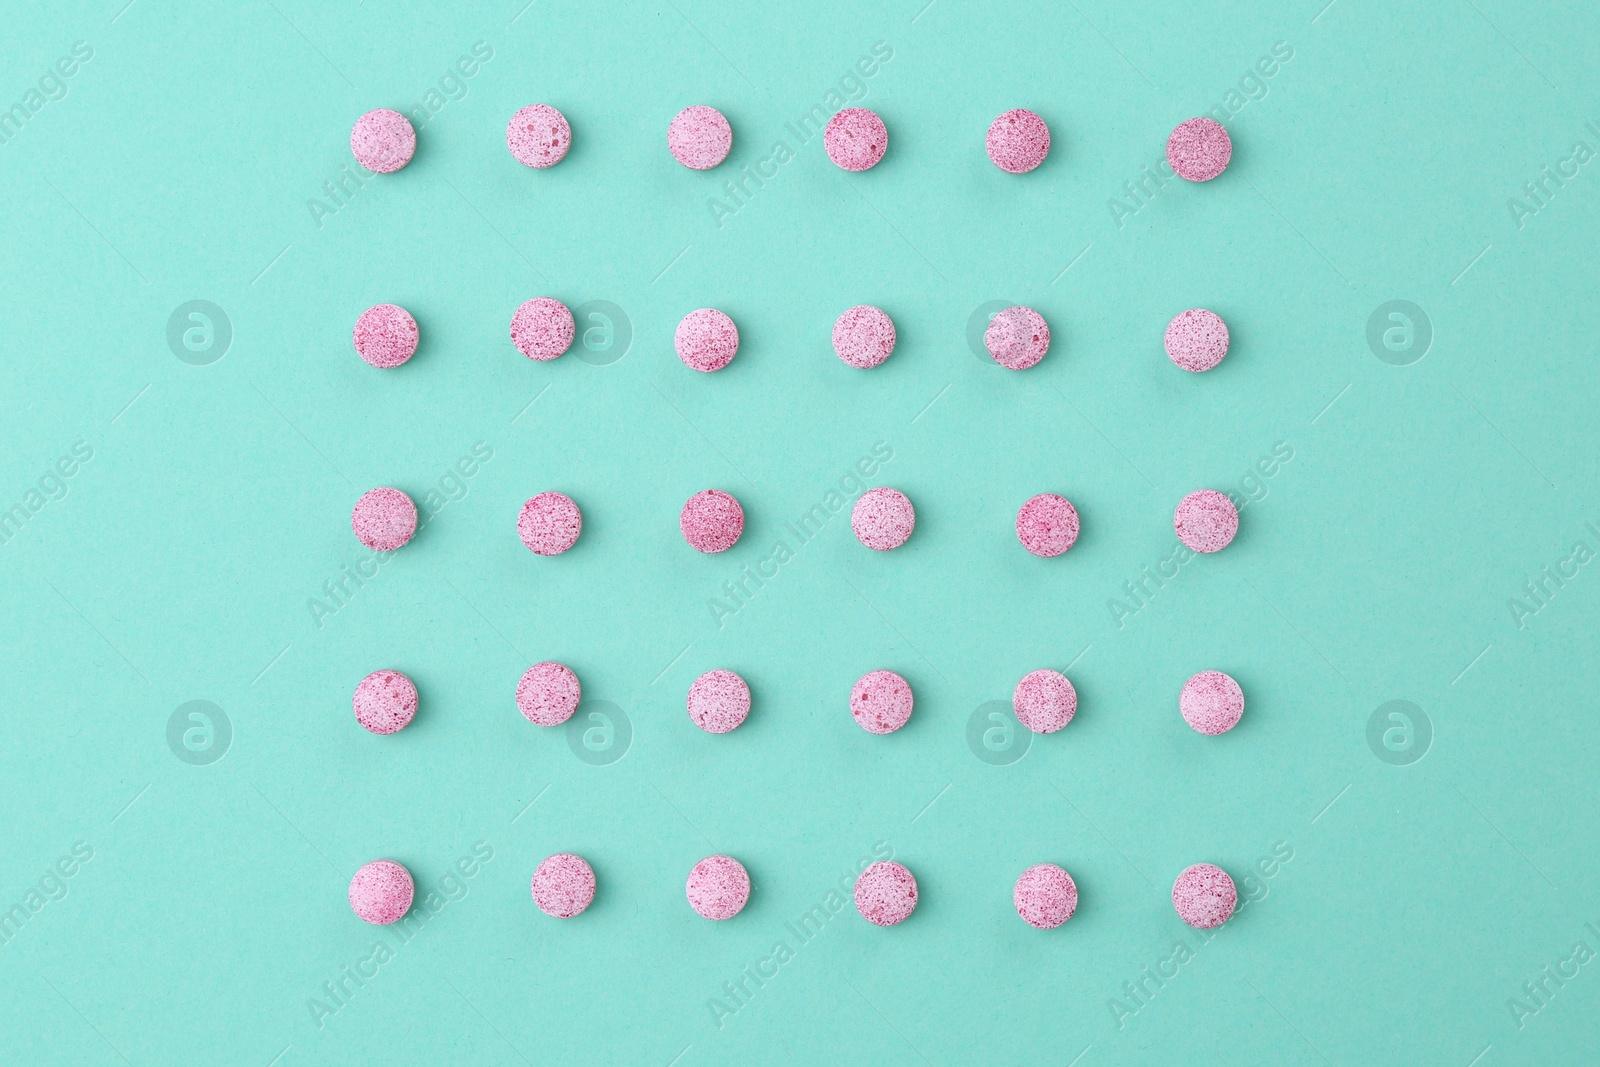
<point x="384" y="519"/>
<point x="549" y="523"/>
<point x="718" y="887"/>
<point x="538" y="136"/>
<point x="385" y="336"/>
<point x="563" y="885"/>
<point x="1044" y="701"/>
<point x="1017" y="338"/>
<point x="855" y="139"/>
<point x="880" y="702"/>
<point x="719" y="701"/>
<point x="883" y="518"/>
<point x="863" y="336"/>
<point x="1204" y="896"/>
<point x="706" y="340"/>
<point x="381" y="892"/>
<point x="385" y="702"/>
<point x="699" y="137"/>
<point x="383" y="141"/>
<point x="1196" y="339"/>
<point x="1206" y="520"/>
<point x="711" y="521"/>
<point x="1045" y="896"/>
<point x="1018" y="141"/>
<point x="542" y="328"/>
<point x="1211" y="702"/>
<point x="886" y="893"/>
<point x="548" y="694"/>
<point x="1047" y="525"/>
<point x="1199" y="149"/>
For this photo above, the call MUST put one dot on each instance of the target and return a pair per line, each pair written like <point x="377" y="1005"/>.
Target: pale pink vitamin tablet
<point x="384" y="519"/>
<point x="1211" y="702"/>
<point x="718" y="701"/>
<point x="563" y="885"/>
<point x="1199" y="149"/>
<point x="1047" y="525"/>
<point x="383" y="141"/>
<point x="863" y="336"/>
<point x="1018" y="141"/>
<point x="542" y="328"/>
<point x="855" y="139"/>
<point x="385" y="702"/>
<point x="1044" y="701"/>
<point x="1197" y="339"/>
<point x="706" y="340"/>
<point x="548" y="694"/>
<point x="550" y="523"/>
<point x="886" y="893"/>
<point x="1206" y="520"/>
<point x="1204" y="896"/>
<point x="711" y="521"/>
<point x="880" y="702"/>
<point x="1045" y="896"/>
<point x="883" y="518"/>
<point x="385" y="336"/>
<point x="699" y="137"/>
<point x="718" y="887"/>
<point x="1017" y="338"/>
<point x="538" y="136"/>
<point x="381" y="892"/>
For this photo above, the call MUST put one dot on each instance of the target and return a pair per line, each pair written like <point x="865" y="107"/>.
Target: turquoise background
<point x="181" y="560"/>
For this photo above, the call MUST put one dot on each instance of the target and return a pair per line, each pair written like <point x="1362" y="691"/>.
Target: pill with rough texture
<point x="563" y="885"/>
<point x="538" y="136"/>
<point x="1197" y="339"/>
<point x="542" y="328"/>
<point x="549" y="523"/>
<point x="381" y="892"/>
<point x="384" y="519"/>
<point x="1211" y="702"/>
<point x="880" y="702"/>
<point x="1017" y="338"/>
<point x="1018" y="141"/>
<point x="1045" y="896"/>
<point x="883" y="518"/>
<point x="706" y="340"/>
<point x="1047" y="525"/>
<point x="699" y="137"/>
<point x="385" y="702"/>
<point x="719" y="701"/>
<point x="383" y="141"/>
<point x="1204" y="896"/>
<point x="548" y="694"/>
<point x="718" y="887"/>
<point x="886" y="893"/>
<point x="1199" y="149"/>
<point x="855" y="139"/>
<point x="863" y="336"/>
<point x="1044" y="701"/>
<point x="1206" y="520"/>
<point x="711" y="521"/>
<point x="385" y="336"/>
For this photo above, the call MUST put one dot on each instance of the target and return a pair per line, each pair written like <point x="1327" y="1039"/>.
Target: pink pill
<point x="383" y="141"/>
<point x="1204" y="896"/>
<point x="863" y="336"/>
<point x="385" y="336"/>
<point x="711" y="521"/>
<point x="706" y="340"/>
<point x="381" y="892"/>
<point x="384" y="519"/>
<point x="1197" y="339"/>
<point x="550" y="523"/>
<point x="1017" y="338"/>
<point x="1047" y="525"/>
<point x="883" y="518"/>
<point x="719" y="701"/>
<point x="1211" y="702"/>
<point x="385" y="702"/>
<point x="542" y="328"/>
<point x="1206" y="520"/>
<point x="548" y="694"/>
<point x="538" y="136"/>
<point x="1045" y="896"/>
<point x="718" y="887"/>
<point x="886" y="893"/>
<point x="699" y="137"/>
<point x="1199" y="149"/>
<point x="855" y="139"/>
<point x="563" y="885"/>
<point x="1018" y="141"/>
<point x="1044" y="701"/>
<point x="880" y="702"/>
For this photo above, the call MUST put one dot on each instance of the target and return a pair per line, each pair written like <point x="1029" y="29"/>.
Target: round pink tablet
<point x="538" y="136"/>
<point x="542" y="328"/>
<point x="383" y="141"/>
<point x="706" y="340"/>
<point x="711" y="521"/>
<point x="883" y="518"/>
<point x="863" y="336"/>
<point x="1204" y="896"/>
<point x="1018" y="141"/>
<point x="719" y="701"/>
<point x="718" y="887"/>
<point x="855" y="139"/>
<point x="1206" y="520"/>
<point x="886" y="893"/>
<point x="550" y="523"/>
<point x="384" y="519"/>
<point x="385" y="702"/>
<point x="1045" y="896"/>
<point x="699" y="137"/>
<point x="385" y="336"/>
<point x="381" y="892"/>
<point x="1211" y="702"/>
<point x="1197" y="339"/>
<point x="880" y="702"/>
<point x="1047" y="525"/>
<point x="1017" y="338"/>
<point x="1044" y="701"/>
<point x="1199" y="149"/>
<point x="563" y="885"/>
<point x="548" y="694"/>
